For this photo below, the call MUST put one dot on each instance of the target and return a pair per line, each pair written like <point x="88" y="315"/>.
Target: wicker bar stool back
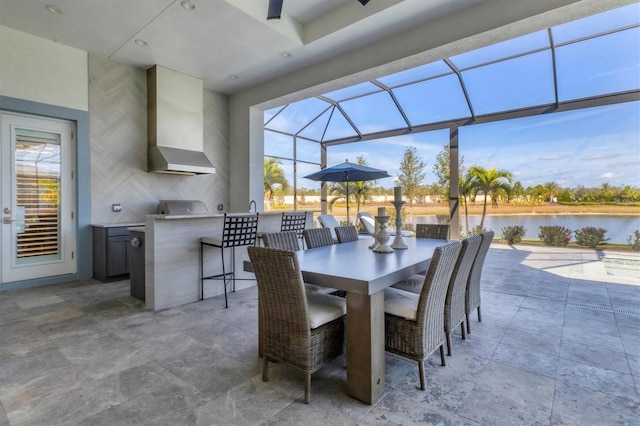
<point x="418" y="334"/>
<point x="438" y="232"/>
<point x="317" y="237"/>
<point x="472" y="298"/>
<point x="346" y="234"/>
<point x="454" y="306"/>
<point x="290" y="335"/>
<point x="238" y="230"/>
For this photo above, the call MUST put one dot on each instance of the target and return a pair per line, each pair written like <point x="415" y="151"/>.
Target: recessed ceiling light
<point x="285" y="54"/>
<point x="233" y="76"/>
<point x="188" y="5"/>
<point x="140" y="42"/>
<point x="53" y="9"/>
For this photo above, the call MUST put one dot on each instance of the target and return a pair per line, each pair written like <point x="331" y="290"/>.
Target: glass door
<point x="38" y="223"/>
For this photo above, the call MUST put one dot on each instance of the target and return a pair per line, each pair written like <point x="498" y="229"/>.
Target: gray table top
<point x="354" y="267"/>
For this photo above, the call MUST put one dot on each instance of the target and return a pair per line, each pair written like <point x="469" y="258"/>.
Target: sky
<point x="586" y="147"/>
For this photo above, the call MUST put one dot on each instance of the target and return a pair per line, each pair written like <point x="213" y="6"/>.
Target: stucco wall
<point x="39" y="70"/>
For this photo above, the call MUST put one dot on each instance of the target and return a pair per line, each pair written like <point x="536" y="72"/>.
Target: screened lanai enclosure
<point x="571" y="73"/>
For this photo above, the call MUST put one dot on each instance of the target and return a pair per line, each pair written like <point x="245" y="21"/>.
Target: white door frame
<point x="64" y="262"/>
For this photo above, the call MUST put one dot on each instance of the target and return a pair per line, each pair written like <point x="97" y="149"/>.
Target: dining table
<point x="364" y="274"/>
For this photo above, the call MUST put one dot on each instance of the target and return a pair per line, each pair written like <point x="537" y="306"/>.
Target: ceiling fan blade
<point x="275" y="9"/>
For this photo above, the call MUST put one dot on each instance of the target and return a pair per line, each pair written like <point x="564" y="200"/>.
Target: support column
<point x="454" y="185"/>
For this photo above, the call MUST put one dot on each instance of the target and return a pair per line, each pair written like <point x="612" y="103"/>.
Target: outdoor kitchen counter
<point x="172" y="256"/>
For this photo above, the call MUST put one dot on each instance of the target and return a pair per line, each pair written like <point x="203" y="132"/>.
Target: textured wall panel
<point x="118" y="117"/>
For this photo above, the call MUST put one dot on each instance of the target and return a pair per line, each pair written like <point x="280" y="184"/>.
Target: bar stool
<point x="239" y="230"/>
<point x="295" y="222"/>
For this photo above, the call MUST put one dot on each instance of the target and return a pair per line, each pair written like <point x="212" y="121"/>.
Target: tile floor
<point x="559" y="344"/>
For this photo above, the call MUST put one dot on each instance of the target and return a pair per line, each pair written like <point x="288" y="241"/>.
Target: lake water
<point x="619" y="228"/>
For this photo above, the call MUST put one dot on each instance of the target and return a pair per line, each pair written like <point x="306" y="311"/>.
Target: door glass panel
<point x="37" y="168"/>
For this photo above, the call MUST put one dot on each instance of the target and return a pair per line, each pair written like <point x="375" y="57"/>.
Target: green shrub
<point x="590" y="236"/>
<point x="442" y="219"/>
<point x="513" y="234"/>
<point x="476" y="230"/>
<point x="634" y="240"/>
<point x="556" y="236"/>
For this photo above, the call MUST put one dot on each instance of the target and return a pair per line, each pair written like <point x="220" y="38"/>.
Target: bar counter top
<point x="172" y="256"/>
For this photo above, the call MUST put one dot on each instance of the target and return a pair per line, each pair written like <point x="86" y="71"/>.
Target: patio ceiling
<point x="589" y="62"/>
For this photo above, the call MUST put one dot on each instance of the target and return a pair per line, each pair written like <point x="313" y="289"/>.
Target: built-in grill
<point x="182" y="207"/>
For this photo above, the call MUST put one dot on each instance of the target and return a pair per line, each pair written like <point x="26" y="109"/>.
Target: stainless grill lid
<point x="182" y="207"/>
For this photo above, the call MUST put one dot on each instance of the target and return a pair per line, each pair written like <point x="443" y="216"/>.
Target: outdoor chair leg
<point x="449" y="344"/>
<point x="224" y="280"/>
<point x="479" y="315"/>
<point x="265" y="368"/>
<point x="442" y="359"/>
<point x="421" y="373"/>
<point x="307" y="388"/>
<point x="462" y="330"/>
<point x="468" y="324"/>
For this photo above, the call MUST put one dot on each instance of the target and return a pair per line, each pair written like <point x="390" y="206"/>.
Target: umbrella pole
<point x="348" y="218"/>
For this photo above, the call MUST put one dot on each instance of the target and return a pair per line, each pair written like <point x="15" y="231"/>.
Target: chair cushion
<point x="401" y="303"/>
<point x="368" y="223"/>
<point x="319" y="288"/>
<point x="324" y="308"/>
<point x="413" y="284"/>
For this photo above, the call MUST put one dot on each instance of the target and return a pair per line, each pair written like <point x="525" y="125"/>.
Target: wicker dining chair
<point x="285" y="241"/>
<point x="414" y="323"/>
<point x="346" y="234"/>
<point x="302" y="329"/>
<point x="472" y="298"/>
<point x="454" y="305"/>
<point x="289" y="241"/>
<point x="438" y="232"/>
<point x="317" y="237"/>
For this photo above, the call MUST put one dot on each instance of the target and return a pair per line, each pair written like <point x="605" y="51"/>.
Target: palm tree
<point x="467" y="186"/>
<point x="490" y="181"/>
<point x="606" y="192"/>
<point x="362" y="189"/>
<point x="551" y="189"/>
<point x="339" y="189"/>
<point x="273" y="175"/>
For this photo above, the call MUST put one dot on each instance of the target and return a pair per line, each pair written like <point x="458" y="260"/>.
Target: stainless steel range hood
<point x="175" y="123"/>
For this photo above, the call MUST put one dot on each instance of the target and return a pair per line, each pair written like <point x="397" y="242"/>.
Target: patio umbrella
<point x="348" y="172"/>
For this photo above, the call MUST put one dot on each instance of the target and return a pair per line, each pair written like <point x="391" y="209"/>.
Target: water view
<point x="619" y="228"/>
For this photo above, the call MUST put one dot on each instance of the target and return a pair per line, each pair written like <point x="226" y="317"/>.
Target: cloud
<point x="595" y="157"/>
<point x="632" y="162"/>
<point x="552" y="157"/>
<point x="610" y="175"/>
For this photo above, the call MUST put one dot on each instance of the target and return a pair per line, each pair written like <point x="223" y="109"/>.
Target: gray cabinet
<point x="136" y="263"/>
<point x="110" y="253"/>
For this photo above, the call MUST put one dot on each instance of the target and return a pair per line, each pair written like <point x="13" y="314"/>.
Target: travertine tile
<point x="85" y="352"/>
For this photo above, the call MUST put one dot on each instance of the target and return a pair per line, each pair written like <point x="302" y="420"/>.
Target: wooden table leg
<point x="365" y="346"/>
